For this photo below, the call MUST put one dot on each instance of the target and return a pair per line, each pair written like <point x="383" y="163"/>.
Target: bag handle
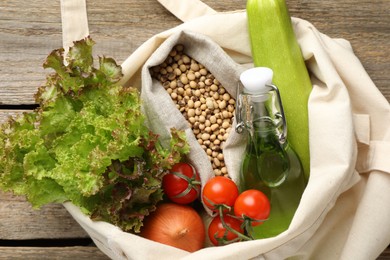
<point x="188" y="9"/>
<point x="74" y="21"/>
<point x="372" y="154"/>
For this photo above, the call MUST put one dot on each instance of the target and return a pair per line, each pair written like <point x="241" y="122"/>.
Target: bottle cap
<point x="256" y="79"/>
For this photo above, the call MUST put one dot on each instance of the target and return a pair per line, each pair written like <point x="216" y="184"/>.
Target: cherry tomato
<point x="220" y="235"/>
<point x="252" y="204"/>
<point x="182" y="183"/>
<point x="219" y="191"/>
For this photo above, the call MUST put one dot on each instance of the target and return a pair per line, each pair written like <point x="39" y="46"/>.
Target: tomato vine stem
<point x="227" y="227"/>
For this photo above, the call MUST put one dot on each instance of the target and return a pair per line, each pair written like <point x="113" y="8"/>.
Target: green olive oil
<point x="275" y="170"/>
<point x="270" y="164"/>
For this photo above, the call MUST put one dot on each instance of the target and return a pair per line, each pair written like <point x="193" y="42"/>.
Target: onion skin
<point x="175" y="225"/>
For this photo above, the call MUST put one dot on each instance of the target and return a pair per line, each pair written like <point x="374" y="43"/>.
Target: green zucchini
<point x="274" y="45"/>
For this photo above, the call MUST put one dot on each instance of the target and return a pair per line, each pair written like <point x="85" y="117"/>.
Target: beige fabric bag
<point x="344" y="212"/>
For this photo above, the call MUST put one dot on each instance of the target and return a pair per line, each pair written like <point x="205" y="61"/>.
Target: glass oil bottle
<point x="270" y="163"/>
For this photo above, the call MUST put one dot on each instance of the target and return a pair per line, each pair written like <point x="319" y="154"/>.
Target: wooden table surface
<point x="29" y="30"/>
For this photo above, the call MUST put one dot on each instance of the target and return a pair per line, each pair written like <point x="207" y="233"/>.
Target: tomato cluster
<point x="235" y="212"/>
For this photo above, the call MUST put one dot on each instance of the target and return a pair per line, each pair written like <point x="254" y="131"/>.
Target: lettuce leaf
<point x="87" y="142"/>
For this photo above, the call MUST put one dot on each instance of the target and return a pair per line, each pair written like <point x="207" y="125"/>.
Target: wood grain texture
<point x="119" y="27"/>
<point x="26" y="37"/>
<point x="46" y="253"/>
<point x="19" y="221"/>
<point x="5" y="114"/>
<point x="29" y="30"/>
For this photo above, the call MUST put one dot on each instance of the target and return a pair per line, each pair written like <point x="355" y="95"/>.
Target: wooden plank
<point x="19" y="221"/>
<point x="41" y="253"/>
<point x="27" y="37"/>
<point x="5" y="114"/>
<point x="120" y="27"/>
<point x="364" y="23"/>
<point x="385" y="254"/>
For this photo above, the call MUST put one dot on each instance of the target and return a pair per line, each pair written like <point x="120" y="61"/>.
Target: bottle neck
<point x="261" y="112"/>
<point x="263" y="134"/>
<point x="261" y="122"/>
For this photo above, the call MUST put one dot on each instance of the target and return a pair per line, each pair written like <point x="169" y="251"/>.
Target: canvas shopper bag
<point x="345" y="210"/>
